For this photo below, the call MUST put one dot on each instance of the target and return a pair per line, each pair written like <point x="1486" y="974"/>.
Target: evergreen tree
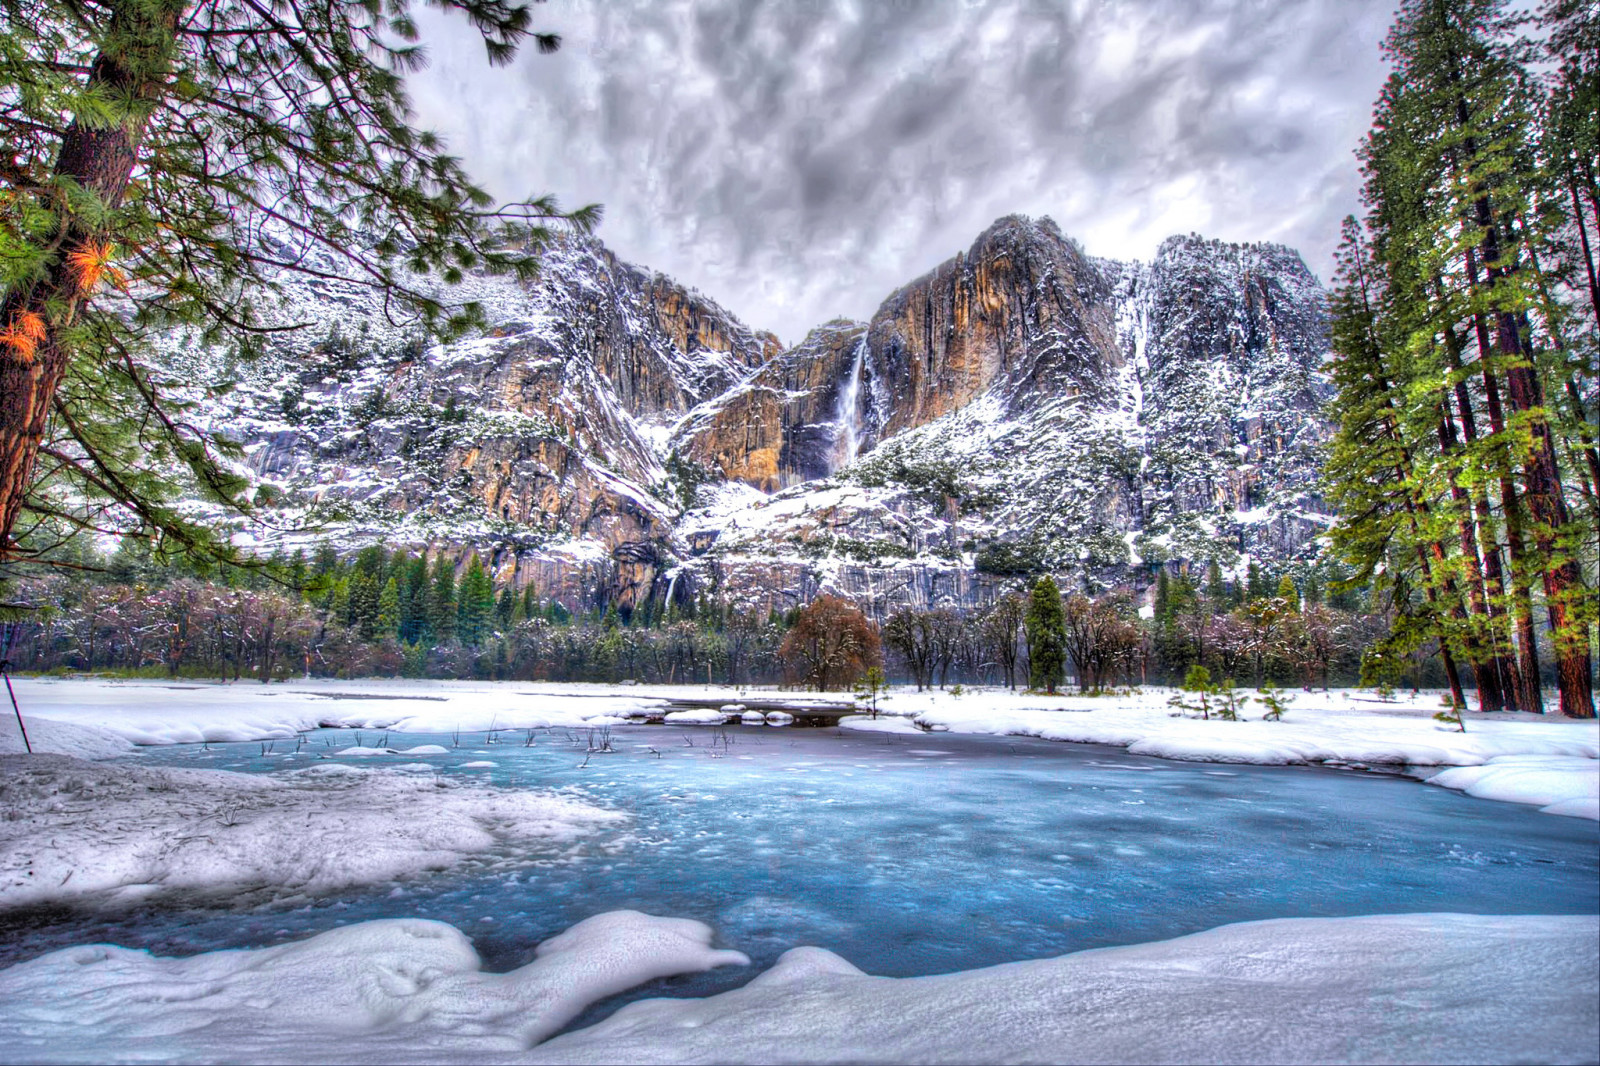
<point x="1046" y="626"/>
<point x="1461" y="341"/>
<point x="414" y="593"/>
<point x="387" y="623"/>
<point x="149" y="144"/>
<point x="442" y="600"/>
<point x="1216" y="591"/>
<point x="1255" y="583"/>
<point x="475" y="607"/>
<point x="363" y="603"/>
<point x="1288" y="593"/>
<point x="505" y="607"/>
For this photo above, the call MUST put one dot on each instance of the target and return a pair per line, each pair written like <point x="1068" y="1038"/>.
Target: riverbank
<point x="1543" y="760"/>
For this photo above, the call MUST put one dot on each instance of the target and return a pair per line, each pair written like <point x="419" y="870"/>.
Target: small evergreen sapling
<point x="1229" y="701"/>
<point x="1275" y="701"/>
<point x="1451" y="715"/>
<point x="1197" y="682"/>
<point x="869" y="687"/>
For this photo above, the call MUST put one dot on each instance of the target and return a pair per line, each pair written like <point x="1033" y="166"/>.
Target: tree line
<point x="1465" y="466"/>
<point x="396" y="613"/>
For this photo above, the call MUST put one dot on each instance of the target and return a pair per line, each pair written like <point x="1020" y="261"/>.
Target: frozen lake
<point x="905" y="854"/>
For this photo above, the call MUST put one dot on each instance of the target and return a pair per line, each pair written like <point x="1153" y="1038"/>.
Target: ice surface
<point x="867" y="724"/>
<point x="78" y="830"/>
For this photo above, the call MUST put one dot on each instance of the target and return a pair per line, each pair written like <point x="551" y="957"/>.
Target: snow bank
<point x="74" y="829"/>
<point x="62" y="738"/>
<point x="1558" y="784"/>
<point x="1335" y="728"/>
<point x="186" y="712"/>
<point x="702" y="717"/>
<point x="867" y="724"/>
<point x="1403" y="988"/>
<point x="1341" y="727"/>
<point x="147" y="712"/>
<point x="380" y="991"/>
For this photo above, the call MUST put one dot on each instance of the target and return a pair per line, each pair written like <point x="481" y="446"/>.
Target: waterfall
<point x="847" y="415"/>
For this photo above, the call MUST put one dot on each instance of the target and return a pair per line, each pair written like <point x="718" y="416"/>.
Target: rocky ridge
<point x="616" y="437"/>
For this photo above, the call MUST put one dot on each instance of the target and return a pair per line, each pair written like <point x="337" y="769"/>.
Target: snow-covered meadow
<point x="920" y="845"/>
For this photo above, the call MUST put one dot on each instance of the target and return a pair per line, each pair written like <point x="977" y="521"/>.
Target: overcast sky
<point x="797" y="160"/>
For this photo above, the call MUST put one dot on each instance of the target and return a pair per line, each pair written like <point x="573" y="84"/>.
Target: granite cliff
<point x="616" y="437"/>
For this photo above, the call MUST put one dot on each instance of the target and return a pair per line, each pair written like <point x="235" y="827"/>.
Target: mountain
<point x="615" y="437"/>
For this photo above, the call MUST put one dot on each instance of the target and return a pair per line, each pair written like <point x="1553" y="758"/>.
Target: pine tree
<point x="442" y="600"/>
<point x="1046" y="626"/>
<point x="1255" y="583"/>
<point x="475" y="608"/>
<point x="364" y="594"/>
<point x="1469" y="206"/>
<point x="387" y="623"/>
<point x="414" y="593"/>
<point x="149" y="144"/>
<point x="1288" y="593"/>
<point x="1216" y="591"/>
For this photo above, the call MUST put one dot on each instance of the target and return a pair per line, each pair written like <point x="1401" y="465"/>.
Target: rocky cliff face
<point x="1021" y="315"/>
<point x="791" y="422"/>
<point x="616" y="437"/>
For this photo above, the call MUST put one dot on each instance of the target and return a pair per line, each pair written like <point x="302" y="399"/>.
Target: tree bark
<point x="101" y="160"/>
<point x="1504" y="663"/>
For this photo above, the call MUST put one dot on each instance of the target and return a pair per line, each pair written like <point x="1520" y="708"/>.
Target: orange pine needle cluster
<point x="21" y="338"/>
<point x="89" y="264"/>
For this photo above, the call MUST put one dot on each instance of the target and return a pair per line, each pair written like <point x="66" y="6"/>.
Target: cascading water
<point x="847" y="415"/>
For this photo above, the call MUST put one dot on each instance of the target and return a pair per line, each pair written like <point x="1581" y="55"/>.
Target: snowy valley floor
<point x="89" y="825"/>
<point x="1544" y="760"/>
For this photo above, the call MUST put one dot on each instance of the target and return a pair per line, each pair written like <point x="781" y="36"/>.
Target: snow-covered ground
<point x="1412" y="987"/>
<point x="75" y="830"/>
<point x="1545" y="760"/>
<point x="1402" y="988"/>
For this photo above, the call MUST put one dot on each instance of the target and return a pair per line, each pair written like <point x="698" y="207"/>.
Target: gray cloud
<point x="801" y="159"/>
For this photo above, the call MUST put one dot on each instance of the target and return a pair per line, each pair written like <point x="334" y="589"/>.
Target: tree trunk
<point x="1504" y="661"/>
<point x="100" y="159"/>
<point x="1531" y="695"/>
<point x="1563" y="581"/>
<point x="1490" y="694"/>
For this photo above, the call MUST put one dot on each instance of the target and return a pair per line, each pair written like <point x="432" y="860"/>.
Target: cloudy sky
<point x="797" y="160"/>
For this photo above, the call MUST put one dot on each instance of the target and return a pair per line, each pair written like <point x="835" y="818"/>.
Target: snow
<point x="87" y="718"/>
<point x="1551" y="761"/>
<point x="62" y="738"/>
<point x="701" y="717"/>
<point x="1386" y="988"/>
<point x="87" y="831"/>
<point x="1558" y="784"/>
<point x="866" y="724"/>
<point x="378" y="991"/>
